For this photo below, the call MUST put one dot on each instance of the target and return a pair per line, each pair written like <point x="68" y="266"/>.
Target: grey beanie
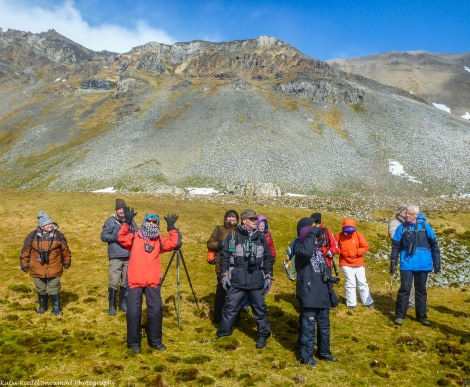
<point x="43" y="219"/>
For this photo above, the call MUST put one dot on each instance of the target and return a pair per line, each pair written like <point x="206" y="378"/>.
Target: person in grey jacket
<point x="118" y="258"/>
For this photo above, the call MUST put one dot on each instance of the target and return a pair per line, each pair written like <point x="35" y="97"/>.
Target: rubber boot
<point x="55" y="299"/>
<point x="112" y="301"/>
<point x="42" y="303"/>
<point x="122" y="299"/>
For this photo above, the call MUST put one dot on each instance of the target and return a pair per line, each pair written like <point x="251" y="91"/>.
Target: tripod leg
<point x="189" y="279"/>
<point x="178" y="283"/>
<point x="166" y="270"/>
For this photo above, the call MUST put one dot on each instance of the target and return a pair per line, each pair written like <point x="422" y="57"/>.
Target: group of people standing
<point x="244" y="262"/>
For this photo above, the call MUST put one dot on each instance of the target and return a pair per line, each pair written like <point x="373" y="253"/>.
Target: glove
<point x="129" y="215"/>
<point x="393" y="265"/>
<point x="170" y="221"/>
<point x="267" y="283"/>
<point x="25" y="269"/>
<point x="226" y="282"/>
<point x="221" y="246"/>
<point x="66" y="265"/>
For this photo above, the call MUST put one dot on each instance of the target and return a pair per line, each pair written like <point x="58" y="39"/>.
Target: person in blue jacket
<point x="414" y="242"/>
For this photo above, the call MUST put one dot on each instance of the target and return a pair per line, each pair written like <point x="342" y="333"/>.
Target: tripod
<point x="179" y="258"/>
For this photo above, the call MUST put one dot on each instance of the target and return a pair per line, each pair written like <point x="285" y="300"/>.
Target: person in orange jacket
<point x="144" y="274"/>
<point x="352" y="246"/>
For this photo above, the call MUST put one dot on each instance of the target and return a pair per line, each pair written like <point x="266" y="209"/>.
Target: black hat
<point x="316" y="216"/>
<point x="304" y="222"/>
<point x="248" y="214"/>
<point x="120" y="203"/>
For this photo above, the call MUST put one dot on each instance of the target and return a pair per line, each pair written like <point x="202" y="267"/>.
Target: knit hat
<point x="248" y="214"/>
<point x="43" y="219"/>
<point x="120" y="203"/>
<point x="316" y="216"/>
<point x="400" y="209"/>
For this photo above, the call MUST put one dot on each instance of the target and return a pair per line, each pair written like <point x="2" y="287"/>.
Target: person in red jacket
<point x="144" y="274"/>
<point x="352" y="246"/>
<point x="328" y="245"/>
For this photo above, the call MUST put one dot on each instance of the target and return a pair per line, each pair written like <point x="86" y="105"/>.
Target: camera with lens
<point x="325" y="277"/>
<point x="44" y="256"/>
<point x="411" y="248"/>
<point x="250" y="247"/>
<point x="148" y="248"/>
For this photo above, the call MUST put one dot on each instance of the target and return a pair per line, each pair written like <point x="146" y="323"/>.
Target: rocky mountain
<point x="234" y="116"/>
<point x="442" y="80"/>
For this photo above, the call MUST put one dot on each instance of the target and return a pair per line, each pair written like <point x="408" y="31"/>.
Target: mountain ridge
<point x="226" y="114"/>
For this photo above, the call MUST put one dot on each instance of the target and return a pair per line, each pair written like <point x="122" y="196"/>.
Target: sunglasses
<point x="151" y="220"/>
<point x="253" y="219"/>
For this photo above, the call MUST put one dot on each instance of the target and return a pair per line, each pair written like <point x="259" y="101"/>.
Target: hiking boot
<point x="371" y="306"/>
<point x="398" y="321"/>
<point x="311" y="362"/>
<point x="261" y="342"/>
<point x="158" y="345"/>
<point x="352" y="307"/>
<point x="329" y="357"/>
<point x="56" y="304"/>
<point x="425" y="322"/>
<point x="135" y="348"/>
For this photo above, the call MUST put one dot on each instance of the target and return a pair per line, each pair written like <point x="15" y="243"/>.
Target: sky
<point x="325" y="29"/>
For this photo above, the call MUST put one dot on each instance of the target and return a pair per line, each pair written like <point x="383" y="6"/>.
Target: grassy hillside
<point x="87" y="345"/>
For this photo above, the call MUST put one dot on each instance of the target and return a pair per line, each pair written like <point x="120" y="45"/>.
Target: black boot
<point x="112" y="301"/>
<point x="42" y="303"/>
<point x="122" y="299"/>
<point x="55" y="299"/>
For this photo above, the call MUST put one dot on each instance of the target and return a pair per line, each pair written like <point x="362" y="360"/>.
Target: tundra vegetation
<point x="85" y="345"/>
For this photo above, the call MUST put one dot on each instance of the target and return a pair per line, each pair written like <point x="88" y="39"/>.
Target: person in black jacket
<point x="118" y="258"/>
<point x="247" y="267"/>
<point x="313" y="294"/>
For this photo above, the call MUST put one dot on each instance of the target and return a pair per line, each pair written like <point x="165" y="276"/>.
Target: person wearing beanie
<point x="246" y="265"/>
<point x="216" y="244"/>
<point x="415" y="244"/>
<point x="313" y="294"/>
<point x="118" y="258"/>
<point x="352" y="247"/>
<point x="144" y="274"/>
<point x="44" y="255"/>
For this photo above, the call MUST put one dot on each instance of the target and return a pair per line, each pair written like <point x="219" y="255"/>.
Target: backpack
<point x="289" y="262"/>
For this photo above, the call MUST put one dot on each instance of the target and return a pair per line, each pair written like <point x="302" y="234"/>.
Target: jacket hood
<point x="349" y="222"/>
<point x="234" y="212"/>
<point x="262" y="218"/>
<point x="304" y="222"/>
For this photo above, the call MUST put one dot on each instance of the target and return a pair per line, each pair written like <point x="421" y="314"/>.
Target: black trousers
<point x="420" y="279"/>
<point x="311" y="318"/>
<point x="219" y="301"/>
<point x="233" y="305"/>
<point x="153" y="299"/>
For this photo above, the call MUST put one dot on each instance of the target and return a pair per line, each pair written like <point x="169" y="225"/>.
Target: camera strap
<point x="50" y="243"/>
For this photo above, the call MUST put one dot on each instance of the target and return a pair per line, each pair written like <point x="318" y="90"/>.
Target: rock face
<point x="252" y="117"/>
<point x="437" y="78"/>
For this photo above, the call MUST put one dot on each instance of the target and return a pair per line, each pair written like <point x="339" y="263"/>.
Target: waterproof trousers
<point x="219" y="301"/>
<point x="153" y="299"/>
<point x="407" y="277"/>
<point x="232" y="308"/>
<point x="355" y="276"/>
<point x="311" y="318"/>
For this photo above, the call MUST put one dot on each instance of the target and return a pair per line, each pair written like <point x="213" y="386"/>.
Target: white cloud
<point x="442" y="107"/>
<point x="67" y="21"/>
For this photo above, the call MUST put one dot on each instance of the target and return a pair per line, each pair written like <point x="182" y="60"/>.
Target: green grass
<point x="85" y="344"/>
